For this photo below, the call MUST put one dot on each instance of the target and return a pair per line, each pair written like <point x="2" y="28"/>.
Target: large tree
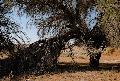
<point x="65" y="17"/>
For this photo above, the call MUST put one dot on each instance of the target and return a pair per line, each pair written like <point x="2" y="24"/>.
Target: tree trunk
<point x="94" y="60"/>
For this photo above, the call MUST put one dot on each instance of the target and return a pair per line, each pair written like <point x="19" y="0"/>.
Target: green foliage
<point x="110" y="9"/>
<point x="110" y="20"/>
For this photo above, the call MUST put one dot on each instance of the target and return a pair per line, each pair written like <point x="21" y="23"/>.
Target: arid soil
<point x="76" y="68"/>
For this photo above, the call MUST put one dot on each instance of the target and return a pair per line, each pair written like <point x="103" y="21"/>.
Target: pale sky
<point x="24" y="21"/>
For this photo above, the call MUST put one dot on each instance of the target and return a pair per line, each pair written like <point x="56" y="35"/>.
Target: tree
<point x="66" y="17"/>
<point x="8" y="28"/>
<point x="5" y="30"/>
<point x="110" y="20"/>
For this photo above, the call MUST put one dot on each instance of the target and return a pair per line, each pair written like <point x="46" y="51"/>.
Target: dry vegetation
<point x="77" y="69"/>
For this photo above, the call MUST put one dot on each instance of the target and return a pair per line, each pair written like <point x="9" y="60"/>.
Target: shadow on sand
<point x="83" y="67"/>
<point x="74" y="67"/>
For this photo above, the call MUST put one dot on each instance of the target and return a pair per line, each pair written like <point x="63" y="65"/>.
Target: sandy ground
<point x="77" y="68"/>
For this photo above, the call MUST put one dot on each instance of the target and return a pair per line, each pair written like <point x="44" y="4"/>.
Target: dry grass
<point x="110" y="51"/>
